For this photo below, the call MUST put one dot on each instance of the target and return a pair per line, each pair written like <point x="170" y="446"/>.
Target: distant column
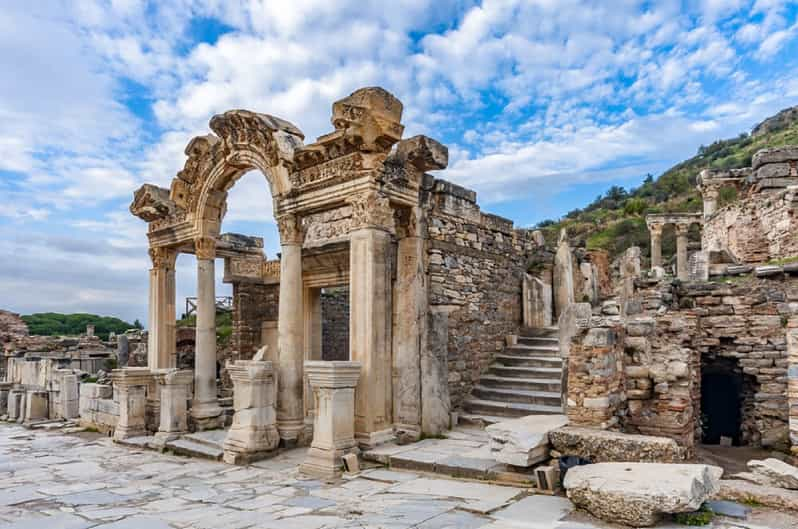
<point x="709" y="195"/>
<point x="656" y="245"/>
<point x="681" y="251"/>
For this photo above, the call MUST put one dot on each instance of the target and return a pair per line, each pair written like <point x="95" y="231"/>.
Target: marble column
<point x="709" y="195"/>
<point x="130" y="391"/>
<point x="253" y="434"/>
<point x="682" y="272"/>
<point x="656" y="245"/>
<point x="205" y="408"/>
<point x="370" y="315"/>
<point x="409" y="325"/>
<point x="290" y="333"/>
<point x="161" y="348"/>
<point x="174" y="387"/>
<point x="333" y="385"/>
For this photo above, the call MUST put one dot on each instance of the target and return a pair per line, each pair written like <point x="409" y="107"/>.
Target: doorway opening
<point x="335" y="323"/>
<point x="722" y="398"/>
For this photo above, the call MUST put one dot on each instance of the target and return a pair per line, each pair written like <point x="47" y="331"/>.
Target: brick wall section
<point x="756" y="230"/>
<point x="476" y="265"/>
<point x="596" y="381"/>
<point x="253" y="304"/>
<point x="335" y="324"/>
<point x="743" y="321"/>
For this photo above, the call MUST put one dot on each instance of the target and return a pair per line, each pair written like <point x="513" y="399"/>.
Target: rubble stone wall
<point x="335" y="324"/>
<point x="253" y="304"/>
<point x="476" y="266"/>
<point x="756" y="230"/>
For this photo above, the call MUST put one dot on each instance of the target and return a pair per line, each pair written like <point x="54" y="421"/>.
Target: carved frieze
<point x="270" y="271"/>
<point x="328" y="225"/>
<point x="340" y="169"/>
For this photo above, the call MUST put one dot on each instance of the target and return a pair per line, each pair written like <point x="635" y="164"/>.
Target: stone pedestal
<point x="130" y="392"/>
<point x="36" y="405"/>
<point x="333" y="386"/>
<point x="174" y="390"/>
<point x="5" y="387"/>
<point x="16" y="404"/>
<point x="69" y="397"/>
<point x="253" y="434"/>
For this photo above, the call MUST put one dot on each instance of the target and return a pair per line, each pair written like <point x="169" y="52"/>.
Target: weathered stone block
<point x="605" y="446"/>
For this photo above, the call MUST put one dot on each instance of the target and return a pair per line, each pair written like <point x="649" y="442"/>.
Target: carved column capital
<point x="682" y="229"/>
<point x="655" y="230"/>
<point x="371" y="209"/>
<point x="410" y="222"/>
<point x="205" y="248"/>
<point x="290" y="228"/>
<point x="163" y="257"/>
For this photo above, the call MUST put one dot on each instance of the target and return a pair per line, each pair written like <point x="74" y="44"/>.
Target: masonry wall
<point x="476" y="266"/>
<point x="253" y="304"/>
<point x="756" y="230"/>
<point x="335" y="324"/>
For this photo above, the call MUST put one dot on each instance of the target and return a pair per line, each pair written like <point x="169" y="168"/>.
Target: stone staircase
<point x="525" y="379"/>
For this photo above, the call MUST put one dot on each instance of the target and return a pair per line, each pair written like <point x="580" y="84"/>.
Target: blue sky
<point x="544" y="104"/>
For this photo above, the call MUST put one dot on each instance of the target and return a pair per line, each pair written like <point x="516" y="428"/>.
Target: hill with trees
<point x="615" y="220"/>
<point x="55" y="324"/>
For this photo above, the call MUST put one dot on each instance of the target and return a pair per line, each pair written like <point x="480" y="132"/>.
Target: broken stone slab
<point x="523" y="442"/>
<point x="767" y="270"/>
<point x="602" y="446"/>
<point x="729" y="508"/>
<point x="639" y="494"/>
<point x="745" y="491"/>
<point x="778" y="473"/>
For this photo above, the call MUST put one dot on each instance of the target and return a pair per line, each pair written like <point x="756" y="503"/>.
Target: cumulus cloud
<point x="530" y="95"/>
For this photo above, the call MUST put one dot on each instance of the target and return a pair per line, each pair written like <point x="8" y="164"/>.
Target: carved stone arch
<point x="244" y="141"/>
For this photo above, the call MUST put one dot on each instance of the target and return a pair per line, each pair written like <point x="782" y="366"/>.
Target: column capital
<point x="682" y="229"/>
<point x="205" y="247"/>
<point x="655" y="229"/>
<point x="163" y="257"/>
<point x="290" y="228"/>
<point x="371" y="209"/>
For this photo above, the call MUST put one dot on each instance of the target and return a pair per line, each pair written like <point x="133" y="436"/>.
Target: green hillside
<point x="55" y="324"/>
<point x="616" y="220"/>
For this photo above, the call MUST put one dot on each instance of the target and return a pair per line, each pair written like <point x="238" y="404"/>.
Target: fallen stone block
<point x="745" y="491"/>
<point x="602" y="446"/>
<point x="776" y="473"/>
<point x="523" y="442"/>
<point x="639" y="494"/>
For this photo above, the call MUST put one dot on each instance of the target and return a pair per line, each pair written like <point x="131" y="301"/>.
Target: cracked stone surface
<point x="58" y="481"/>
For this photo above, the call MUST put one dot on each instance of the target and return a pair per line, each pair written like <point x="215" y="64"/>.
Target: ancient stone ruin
<point x="396" y="309"/>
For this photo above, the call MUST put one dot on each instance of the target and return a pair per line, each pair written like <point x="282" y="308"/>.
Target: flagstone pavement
<point x="50" y="480"/>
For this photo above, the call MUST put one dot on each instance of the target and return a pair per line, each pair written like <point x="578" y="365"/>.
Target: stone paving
<point x="51" y="480"/>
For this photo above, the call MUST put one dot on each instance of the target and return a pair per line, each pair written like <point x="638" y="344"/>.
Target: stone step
<point x="502" y="370"/>
<point x="531" y="350"/>
<point x="529" y="361"/>
<point x="541" y="332"/>
<point x="508" y="409"/>
<point x="548" y="398"/>
<point x="209" y="438"/>
<point x="539" y="341"/>
<point x="185" y="447"/>
<point x="529" y="384"/>
<point x="480" y="420"/>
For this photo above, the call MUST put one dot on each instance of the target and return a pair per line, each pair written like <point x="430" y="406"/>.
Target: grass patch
<point x="702" y="516"/>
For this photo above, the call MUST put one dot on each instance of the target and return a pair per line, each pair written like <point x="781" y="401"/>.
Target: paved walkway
<point x="50" y="480"/>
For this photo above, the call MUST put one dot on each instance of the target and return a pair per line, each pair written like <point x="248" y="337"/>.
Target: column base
<point x="372" y="439"/>
<point x="120" y="434"/>
<point x="294" y="433"/>
<point x="325" y="464"/>
<point x="407" y="433"/>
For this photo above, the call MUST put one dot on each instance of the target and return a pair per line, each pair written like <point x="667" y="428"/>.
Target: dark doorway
<point x="721" y="400"/>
